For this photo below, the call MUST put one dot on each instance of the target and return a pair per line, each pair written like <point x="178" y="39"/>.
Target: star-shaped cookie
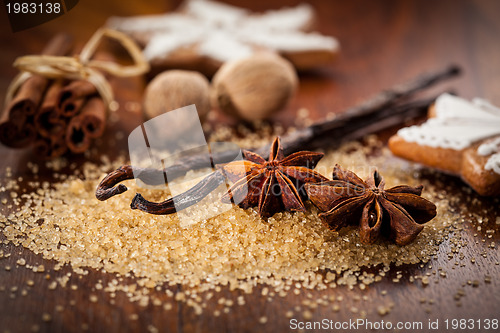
<point x="203" y="34"/>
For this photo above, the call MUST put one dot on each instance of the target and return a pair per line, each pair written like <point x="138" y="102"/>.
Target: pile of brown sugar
<point x="65" y="222"/>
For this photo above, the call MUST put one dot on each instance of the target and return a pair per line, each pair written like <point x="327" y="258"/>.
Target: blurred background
<point x="382" y="43"/>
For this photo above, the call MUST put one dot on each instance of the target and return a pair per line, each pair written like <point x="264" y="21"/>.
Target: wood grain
<point x="383" y="43"/>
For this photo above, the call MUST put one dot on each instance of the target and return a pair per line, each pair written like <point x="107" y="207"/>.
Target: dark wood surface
<point x="383" y="43"/>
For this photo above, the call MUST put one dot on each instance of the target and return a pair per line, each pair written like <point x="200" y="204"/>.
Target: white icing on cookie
<point x="214" y="12"/>
<point x="292" y="18"/>
<point x="225" y="32"/>
<point x="458" y="124"/>
<point x="223" y="46"/>
<point x="491" y="148"/>
<point x="295" y="41"/>
<point x="493" y="163"/>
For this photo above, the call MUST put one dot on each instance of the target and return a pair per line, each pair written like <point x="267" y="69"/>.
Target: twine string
<point x="81" y="67"/>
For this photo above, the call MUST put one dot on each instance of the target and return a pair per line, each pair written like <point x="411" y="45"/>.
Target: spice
<point x="87" y="125"/>
<point x="255" y="87"/>
<point x="274" y="185"/>
<point x="234" y="249"/>
<point x="181" y="201"/>
<point x="46" y="120"/>
<point x="175" y="89"/>
<point x="377" y="113"/>
<point x="399" y="211"/>
<point x="60" y="102"/>
<point x="17" y="129"/>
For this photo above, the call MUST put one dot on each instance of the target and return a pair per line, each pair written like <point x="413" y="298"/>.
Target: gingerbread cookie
<point x="461" y="138"/>
<point x="204" y="34"/>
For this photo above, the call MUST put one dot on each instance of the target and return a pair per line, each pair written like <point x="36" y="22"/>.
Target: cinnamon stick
<point x="93" y="117"/>
<point x="73" y="96"/>
<point x="17" y="128"/>
<point x="75" y="138"/>
<point x="42" y="147"/>
<point x="27" y="97"/>
<point x="14" y="136"/>
<point x="57" y="146"/>
<point x="88" y="124"/>
<point x="48" y="122"/>
<point x="80" y="101"/>
<point x="50" y="147"/>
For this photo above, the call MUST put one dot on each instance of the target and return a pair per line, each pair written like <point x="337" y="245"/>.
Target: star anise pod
<point x="274" y="185"/>
<point x="398" y="212"/>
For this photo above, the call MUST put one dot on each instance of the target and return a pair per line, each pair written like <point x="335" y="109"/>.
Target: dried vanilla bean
<point x="382" y="111"/>
<point x="181" y="201"/>
<point x="294" y="142"/>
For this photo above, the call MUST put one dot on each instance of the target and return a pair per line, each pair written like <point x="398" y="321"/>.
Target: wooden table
<point x="383" y="43"/>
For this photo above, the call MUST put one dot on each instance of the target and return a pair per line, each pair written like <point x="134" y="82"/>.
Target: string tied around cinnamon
<point x="82" y="66"/>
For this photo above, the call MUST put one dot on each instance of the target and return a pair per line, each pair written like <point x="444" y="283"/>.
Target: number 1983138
<point x="471" y="324"/>
<point x="33" y="8"/>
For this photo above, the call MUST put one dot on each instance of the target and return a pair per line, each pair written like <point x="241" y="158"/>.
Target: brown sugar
<point x="65" y="222"/>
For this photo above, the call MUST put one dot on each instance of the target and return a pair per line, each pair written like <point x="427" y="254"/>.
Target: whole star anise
<point x="398" y="212"/>
<point x="274" y="185"/>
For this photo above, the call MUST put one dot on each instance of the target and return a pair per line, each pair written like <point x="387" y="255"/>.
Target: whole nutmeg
<point x="174" y="89"/>
<point x="254" y="88"/>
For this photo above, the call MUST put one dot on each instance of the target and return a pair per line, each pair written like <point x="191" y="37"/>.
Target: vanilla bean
<point x="389" y="97"/>
<point x="341" y="129"/>
<point x="376" y="109"/>
<point x="384" y="110"/>
<point x="181" y="201"/>
<point x="107" y="188"/>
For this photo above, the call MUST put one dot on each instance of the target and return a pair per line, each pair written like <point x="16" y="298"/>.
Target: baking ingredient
<point x="43" y="113"/>
<point x="174" y="89"/>
<point x="292" y="252"/>
<point x="275" y="185"/>
<point x="17" y="129"/>
<point x="377" y="113"/>
<point x="181" y="201"/>
<point x="399" y="211"/>
<point x="254" y="88"/>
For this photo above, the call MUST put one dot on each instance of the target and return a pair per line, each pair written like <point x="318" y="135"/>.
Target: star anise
<point x="398" y="212"/>
<point x="274" y="185"/>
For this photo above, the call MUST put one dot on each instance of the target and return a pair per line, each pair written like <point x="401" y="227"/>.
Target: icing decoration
<point x="225" y="32"/>
<point x="493" y="163"/>
<point x="457" y="125"/>
<point x="491" y="148"/>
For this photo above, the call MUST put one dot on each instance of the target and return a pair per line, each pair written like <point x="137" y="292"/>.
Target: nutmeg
<point x="174" y="89"/>
<point x="254" y="88"/>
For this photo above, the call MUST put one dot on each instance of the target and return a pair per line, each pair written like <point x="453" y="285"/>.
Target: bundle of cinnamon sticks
<point x="53" y="116"/>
